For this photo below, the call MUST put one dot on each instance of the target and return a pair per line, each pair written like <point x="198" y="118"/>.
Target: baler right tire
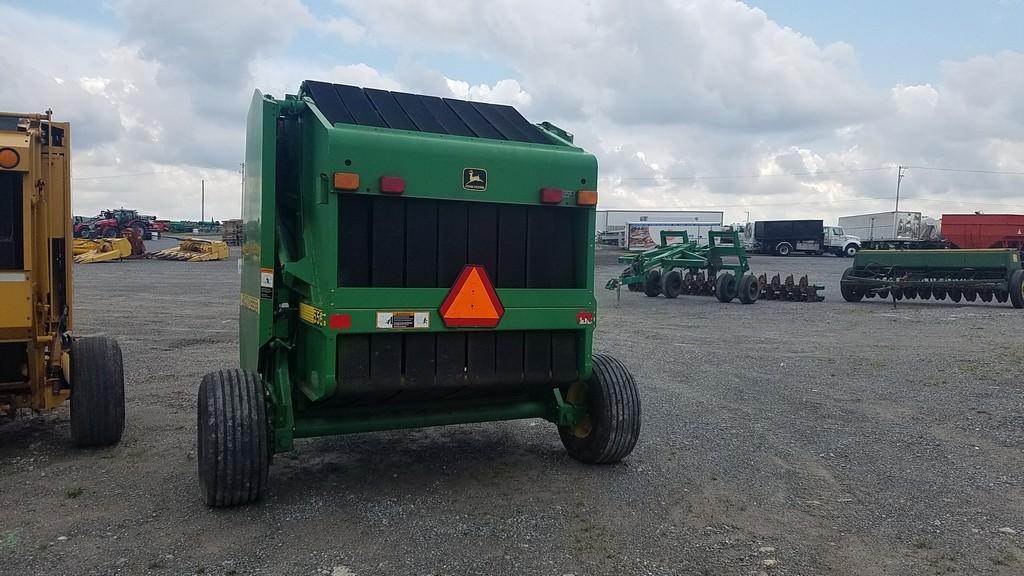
<point x="652" y="287"/>
<point x="233" y="438"/>
<point x="850" y="293"/>
<point x="749" y="289"/>
<point x="97" y="392"/>
<point x="671" y="283"/>
<point x="613" y="410"/>
<point x="726" y="288"/>
<point x="1017" y="289"/>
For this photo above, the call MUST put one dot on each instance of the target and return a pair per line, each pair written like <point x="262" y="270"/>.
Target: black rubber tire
<point x="850" y="251"/>
<point x="97" y="392"/>
<point x="671" y="283"/>
<point x="749" y="289"/>
<point x="725" y="287"/>
<point x="652" y="286"/>
<point x="954" y="294"/>
<point x="783" y="249"/>
<point x="1017" y="288"/>
<point x="613" y="405"/>
<point x="233" y="438"/>
<point x="850" y="293"/>
<point x="111" y="232"/>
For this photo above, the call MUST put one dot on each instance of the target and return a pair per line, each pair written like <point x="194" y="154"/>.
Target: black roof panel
<point x="343" y="104"/>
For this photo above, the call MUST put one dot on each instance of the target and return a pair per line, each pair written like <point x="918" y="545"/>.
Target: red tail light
<point x="551" y="195"/>
<point x="392" y="184"/>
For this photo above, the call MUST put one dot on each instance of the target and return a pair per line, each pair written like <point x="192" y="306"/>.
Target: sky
<point x="765" y="109"/>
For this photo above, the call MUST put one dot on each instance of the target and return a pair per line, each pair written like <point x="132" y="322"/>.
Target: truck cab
<point x="840" y="243"/>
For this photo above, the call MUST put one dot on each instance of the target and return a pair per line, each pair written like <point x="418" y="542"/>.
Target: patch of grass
<point x="72" y="493"/>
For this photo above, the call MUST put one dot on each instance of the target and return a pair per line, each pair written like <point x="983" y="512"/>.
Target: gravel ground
<point x="779" y="438"/>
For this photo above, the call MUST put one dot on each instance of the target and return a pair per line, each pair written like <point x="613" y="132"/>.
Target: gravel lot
<point x="779" y="438"/>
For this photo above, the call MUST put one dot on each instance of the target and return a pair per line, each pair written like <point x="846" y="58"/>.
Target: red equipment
<point x="984" y="230"/>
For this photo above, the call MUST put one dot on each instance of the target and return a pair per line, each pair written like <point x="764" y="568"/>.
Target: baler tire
<point x="671" y="283"/>
<point x="725" y="287"/>
<point x="850" y="293"/>
<point x="652" y="286"/>
<point x="613" y="408"/>
<point x="233" y="438"/>
<point x="97" y="392"/>
<point x="749" y="290"/>
<point x="1017" y="288"/>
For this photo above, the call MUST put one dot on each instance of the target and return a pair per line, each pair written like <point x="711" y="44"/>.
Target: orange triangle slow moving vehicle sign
<point x="472" y="301"/>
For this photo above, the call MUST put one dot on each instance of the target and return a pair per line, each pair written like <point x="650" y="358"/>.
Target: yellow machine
<point x="41" y="364"/>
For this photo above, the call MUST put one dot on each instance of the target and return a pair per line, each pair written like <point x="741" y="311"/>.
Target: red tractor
<point x="110" y="224"/>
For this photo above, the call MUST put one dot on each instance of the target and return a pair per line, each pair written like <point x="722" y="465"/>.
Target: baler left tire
<point x="1017" y="289"/>
<point x="749" y="290"/>
<point x="652" y="287"/>
<point x="97" y="392"/>
<point x="671" y="283"/>
<point x="725" y="287"/>
<point x="612" y="424"/>
<point x="233" y="438"/>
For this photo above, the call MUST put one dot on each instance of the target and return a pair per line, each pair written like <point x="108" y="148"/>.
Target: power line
<point x="995" y="172"/>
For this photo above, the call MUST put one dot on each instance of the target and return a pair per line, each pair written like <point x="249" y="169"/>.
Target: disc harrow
<point x="718" y="269"/>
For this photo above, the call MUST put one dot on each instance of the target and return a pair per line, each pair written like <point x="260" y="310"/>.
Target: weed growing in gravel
<point x="72" y="493"/>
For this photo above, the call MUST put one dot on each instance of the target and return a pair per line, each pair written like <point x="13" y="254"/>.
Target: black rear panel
<point x="386" y="241"/>
<point x="423" y="243"/>
<point x="12" y="233"/>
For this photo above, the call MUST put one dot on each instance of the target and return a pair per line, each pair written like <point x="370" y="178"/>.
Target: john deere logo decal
<point x="474" y="179"/>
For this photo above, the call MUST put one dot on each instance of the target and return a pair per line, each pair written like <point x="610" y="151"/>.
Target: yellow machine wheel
<point x="97" y="392"/>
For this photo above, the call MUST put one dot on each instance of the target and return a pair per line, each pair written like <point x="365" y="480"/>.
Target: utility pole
<point x="748" y="217"/>
<point x="896" y="213"/>
<point x="202" y="217"/>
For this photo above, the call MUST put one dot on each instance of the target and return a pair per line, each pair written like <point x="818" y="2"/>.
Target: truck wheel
<point x="1017" y="288"/>
<point x="671" y="284"/>
<point x="611" y="427"/>
<point x="97" y="392"/>
<point x="233" y="438"/>
<point x="749" y="289"/>
<point x="850" y="251"/>
<point x="850" y="292"/>
<point x="652" y="287"/>
<point x="725" y="287"/>
<point x="783" y="249"/>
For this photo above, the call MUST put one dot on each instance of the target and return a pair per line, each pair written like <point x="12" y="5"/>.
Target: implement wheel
<point x="726" y="288"/>
<point x="671" y="284"/>
<point x="749" y="289"/>
<point x="850" y="292"/>
<point x="652" y="286"/>
<point x="233" y="438"/>
<point x="631" y="271"/>
<point x="97" y="392"/>
<point x="611" y="427"/>
<point x="1017" y="289"/>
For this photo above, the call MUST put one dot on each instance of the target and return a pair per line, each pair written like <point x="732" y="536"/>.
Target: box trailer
<point x="903" y="229"/>
<point x="784" y="237"/>
<point x="646" y="235"/>
<point x="984" y="230"/>
<point x="611" y="224"/>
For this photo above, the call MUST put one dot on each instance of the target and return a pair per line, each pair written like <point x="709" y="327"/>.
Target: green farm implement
<point x="719" y="268"/>
<point x="969" y="275"/>
<point x="409" y="261"/>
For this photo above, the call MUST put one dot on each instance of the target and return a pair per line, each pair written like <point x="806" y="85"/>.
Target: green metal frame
<point x="875" y="270"/>
<point x="688" y="255"/>
<point x="290" y="212"/>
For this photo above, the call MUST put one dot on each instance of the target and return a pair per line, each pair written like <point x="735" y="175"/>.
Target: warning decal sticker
<point x="266" y="282"/>
<point x="403" y="320"/>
